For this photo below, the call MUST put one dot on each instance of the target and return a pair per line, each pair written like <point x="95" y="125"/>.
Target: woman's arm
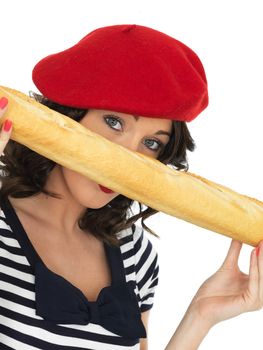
<point x="144" y="341"/>
<point x="190" y="332"/>
<point x="226" y="294"/>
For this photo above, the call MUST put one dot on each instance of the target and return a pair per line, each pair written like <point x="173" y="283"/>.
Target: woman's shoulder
<point x="135" y="240"/>
<point x="130" y="235"/>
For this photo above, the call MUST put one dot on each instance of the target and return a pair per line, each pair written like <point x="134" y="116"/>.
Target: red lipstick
<point x="105" y="189"/>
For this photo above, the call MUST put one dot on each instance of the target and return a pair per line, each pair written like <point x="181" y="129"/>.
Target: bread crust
<point x="181" y="194"/>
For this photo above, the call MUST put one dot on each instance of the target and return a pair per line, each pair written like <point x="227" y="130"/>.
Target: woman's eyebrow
<point x="160" y="132"/>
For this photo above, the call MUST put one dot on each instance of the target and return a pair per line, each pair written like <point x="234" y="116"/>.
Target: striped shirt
<point x="20" y="326"/>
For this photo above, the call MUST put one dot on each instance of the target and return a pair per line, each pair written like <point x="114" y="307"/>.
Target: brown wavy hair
<point x="23" y="173"/>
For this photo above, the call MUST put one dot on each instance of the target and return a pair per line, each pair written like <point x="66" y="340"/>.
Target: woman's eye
<point x="113" y="121"/>
<point x="156" y="145"/>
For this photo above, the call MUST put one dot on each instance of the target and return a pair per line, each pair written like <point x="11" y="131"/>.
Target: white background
<point x="227" y="35"/>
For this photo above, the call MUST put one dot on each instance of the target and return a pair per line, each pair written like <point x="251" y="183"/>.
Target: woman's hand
<point x="6" y="127"/>
<point x="229" y="292"/>
<point x="226" y="294"/>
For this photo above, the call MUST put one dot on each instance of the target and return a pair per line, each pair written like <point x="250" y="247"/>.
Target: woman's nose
<point x="131" y="142"/>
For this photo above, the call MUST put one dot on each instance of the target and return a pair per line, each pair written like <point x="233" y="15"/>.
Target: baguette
<point x="181" y="194"/>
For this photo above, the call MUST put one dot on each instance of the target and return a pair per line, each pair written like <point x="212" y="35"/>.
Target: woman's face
<point x="140" y="134"/>
<point x="145" y="135"/>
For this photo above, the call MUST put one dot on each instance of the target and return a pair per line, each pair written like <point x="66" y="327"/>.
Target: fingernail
<point x="7" y="125"/>
<point x="3" y="102"/>
<point x="257" y="251"/>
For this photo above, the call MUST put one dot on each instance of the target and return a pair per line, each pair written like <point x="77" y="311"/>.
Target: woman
<point x="76" y="272"/>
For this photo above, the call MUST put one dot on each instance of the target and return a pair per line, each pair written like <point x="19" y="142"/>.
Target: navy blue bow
<point x="116" y="308"/>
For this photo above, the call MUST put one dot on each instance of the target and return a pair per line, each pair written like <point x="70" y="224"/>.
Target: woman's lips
<point x="105" y="189"/>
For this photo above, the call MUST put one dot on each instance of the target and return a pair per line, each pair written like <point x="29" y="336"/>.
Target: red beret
<point x="126" y="68"/>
